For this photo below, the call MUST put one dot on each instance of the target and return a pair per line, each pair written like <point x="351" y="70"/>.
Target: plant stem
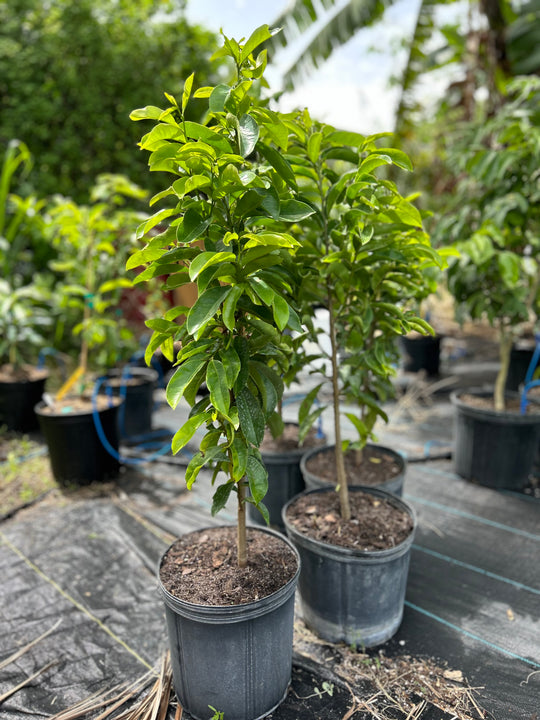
<point x="505" y="348"/>
<point x="241" y="526"/>
<point x="345" y="507"/>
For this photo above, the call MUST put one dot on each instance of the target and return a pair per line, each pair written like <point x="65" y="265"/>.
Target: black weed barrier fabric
<point x="87" y="573"/>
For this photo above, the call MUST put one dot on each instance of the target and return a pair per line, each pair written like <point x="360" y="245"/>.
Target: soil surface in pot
<point x="80" y="404"/>
<point x="201" y="567"/>
<point x="25" y="373"/>
<point x="486" y="403"/>
<point x="375" y="467"/>
<point x="375" y="524"/>
<point x="288" y="440"/>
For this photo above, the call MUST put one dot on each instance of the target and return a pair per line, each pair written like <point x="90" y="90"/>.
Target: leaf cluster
<point x="364" y="254"/>
<point x="230" y="196"/>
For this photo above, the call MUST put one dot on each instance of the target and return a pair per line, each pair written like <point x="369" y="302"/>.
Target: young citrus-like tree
<point x="229" y="193"/>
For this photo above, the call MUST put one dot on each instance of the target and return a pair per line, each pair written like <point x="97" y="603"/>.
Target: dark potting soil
<point x="201" y="567"/>
<point x="375" y="524"/>
<point x="288" y="440"/>
<point x="375" y="467"/>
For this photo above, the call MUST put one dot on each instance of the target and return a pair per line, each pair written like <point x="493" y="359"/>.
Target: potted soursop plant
<point x="228" y="193"/>
<point x="363" y="252"/>
<point x="494" y="221"/>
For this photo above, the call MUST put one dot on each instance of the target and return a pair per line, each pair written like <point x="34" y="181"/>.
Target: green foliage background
<point x="71" y="72"/>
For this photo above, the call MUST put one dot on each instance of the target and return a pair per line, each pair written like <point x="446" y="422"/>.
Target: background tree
<point x="71" y="72"/>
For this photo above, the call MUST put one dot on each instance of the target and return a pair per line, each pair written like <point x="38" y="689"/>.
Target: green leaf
<point x="278" y="162"/>
<point x="251" y="416"/>
<point x="295" y="210"/>
<point x="198" y="461"/>
<point x="206" y="259"/>
<point x="314" y="146"/>
<point x="188" y="85"/>
<point x="231" y="363"/>
<point x="307" y="402"/>
<point x="216" y="381"/>
<point x="361" y="428"/>
<point x="248" y="134"/>
<point x="257" y="476"/>
<point x="281" y="312"/>
<point x="192" y="226"/>
<point x="205" y="308"/>
<point x="221" y="497"/>
<point x="308" y="423"/>
<point x="150" y="112"/>
<point x="510" y="268"/>
<point x="186" y="432"/>
<point x="181" y="379"/>
<point x="269" y="393"/>
<point x="239" y="454"/>
<point x="229" y="307"/>
<point x="276" y="424"/>
<point x="262" y="289"/>
<point x="242" y="350"/>
<point x="218" y="97"/>
<point x="258" y="36"/>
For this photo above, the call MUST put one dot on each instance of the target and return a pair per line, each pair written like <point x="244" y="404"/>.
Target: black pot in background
<point x="393" y="485"/>
<point x="76" y="452"/>
<point x="495" y="449"/>
<point x="284" y="482"/>
<point x="520" y="359"/>
<point x="421" y="353"/>
<point x="17" y="402"/>
<point x="136" y="385"/>
<point x="237" y="658"/>
<point x="348" y="595"/>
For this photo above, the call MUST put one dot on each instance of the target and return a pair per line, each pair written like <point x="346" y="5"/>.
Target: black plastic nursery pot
<point x="520" y="358"/>
<point x="493" y="448"/>
<point x="348" y="595"/>
<point x="136" y="385"/>
<point x="17" y="402"/>
<point x="421" y="353"/>
<point x="76" y="451"/>
<point x="237" y="658"/>
<point x="285" y="480"/>
<point x="393" y="485"/>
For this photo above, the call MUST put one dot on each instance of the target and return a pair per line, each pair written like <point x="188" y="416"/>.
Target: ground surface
<point x="82" y="564"/>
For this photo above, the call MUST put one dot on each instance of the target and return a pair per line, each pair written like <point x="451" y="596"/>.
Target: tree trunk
<point x="241" y="526"/>
<point x="345" y="507"/>
<point x="505" y="348"/>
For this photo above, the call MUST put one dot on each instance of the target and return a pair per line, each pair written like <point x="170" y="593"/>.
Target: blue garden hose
<point x="163" y="450"/>
<point x="529" y="382"/>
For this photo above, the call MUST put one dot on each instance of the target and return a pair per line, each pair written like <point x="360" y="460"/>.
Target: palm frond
<point x="340" y="27"/>
<point x="417" y="62"/>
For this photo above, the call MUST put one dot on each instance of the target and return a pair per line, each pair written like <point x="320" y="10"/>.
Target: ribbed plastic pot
<point x="351" y="595"/>
<point x="421" y="353"/>
<point x="237" y="658"/>
<point x="135" y="416"/>
<point x="520" y="359"/>
<point x="285" y="480"/>
<point x="17" y="402"/>
<point x="495" y="449"/>
<point x="393" y="485"/>
<point x="76" y="453"/>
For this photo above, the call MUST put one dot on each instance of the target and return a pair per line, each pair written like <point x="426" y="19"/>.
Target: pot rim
<point x="401" y="459"/>
<point x="487" y="414"/>
<point x="219" y="614"/>
<point x="339" y="552"/>
<point x="39" y="409"/>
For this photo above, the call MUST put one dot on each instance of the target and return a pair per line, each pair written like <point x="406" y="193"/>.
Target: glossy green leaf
<point x="295" y="210"/>
<point x="216" y="381"/>
<point x="251" y="416"/>
<point x="258" y="36"/>
<point x="248" y="134"/>
<point x="281" y="312"/>
<point x="150" y="112"/>
<point x="188" y="85"/>
<point x="229" y="307"/>
<point x="181" y="379"/>
<point x="239" y="454"/>
<point x="205" y="308"/>
<point x="231" y="363"/>
<point x="221" y="497"/>
<point x="218" y="97"/>
<point x="186" y="432"/>
<point x="278" y="162"/>
<point x="207" y="259"/>
<point x="257" y="476"/>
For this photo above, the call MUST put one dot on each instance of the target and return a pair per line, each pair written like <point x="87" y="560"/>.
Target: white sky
<point x="351" y="90"/>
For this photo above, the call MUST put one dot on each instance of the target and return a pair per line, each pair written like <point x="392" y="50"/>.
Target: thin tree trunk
<point x="345" y="507"/>
<point x="241" y="526"/>
<point x="505" y="349"/>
